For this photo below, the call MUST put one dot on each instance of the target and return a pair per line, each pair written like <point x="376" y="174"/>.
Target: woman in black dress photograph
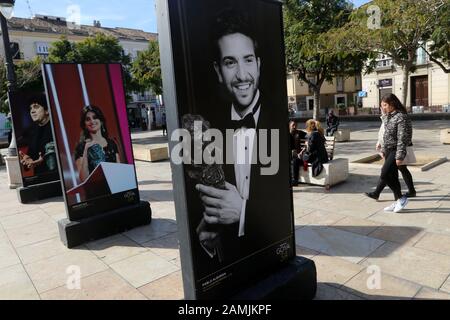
<point x="95" y="146"/>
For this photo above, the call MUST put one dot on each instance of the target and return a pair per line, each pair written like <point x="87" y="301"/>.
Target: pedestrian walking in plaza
<point x="164" y="124"/>
<point x="297" y="141"/>
<point x="406" y="174"/>
<point x="397" y="138"/>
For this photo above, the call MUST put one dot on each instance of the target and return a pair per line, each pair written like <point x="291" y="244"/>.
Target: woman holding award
<point x="95" y="146"/>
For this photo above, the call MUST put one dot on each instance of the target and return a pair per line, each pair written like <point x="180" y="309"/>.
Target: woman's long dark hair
<point x="392" y="100"/>
<point x="95" y="110"/>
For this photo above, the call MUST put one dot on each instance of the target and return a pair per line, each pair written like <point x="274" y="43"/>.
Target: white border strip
<point x="83" y="85"/>
<point x="63" y="128"/>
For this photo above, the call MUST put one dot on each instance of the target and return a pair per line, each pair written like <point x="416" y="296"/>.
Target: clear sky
<point x="136" y="14"/>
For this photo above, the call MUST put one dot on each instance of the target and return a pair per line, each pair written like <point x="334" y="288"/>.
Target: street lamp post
<point x="12" y="163"/>
<point x="6" y="10"/>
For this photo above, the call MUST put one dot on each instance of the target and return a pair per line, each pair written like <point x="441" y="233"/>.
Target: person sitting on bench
<point x="315" y="152"/>
<point x="296" y="147"/>
<point x="332" y="123"/>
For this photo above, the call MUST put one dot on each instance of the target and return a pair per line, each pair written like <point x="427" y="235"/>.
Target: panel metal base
<point x="75" y="233"/>
<point x="39" y="192"/>
<point x="296" y="281"/>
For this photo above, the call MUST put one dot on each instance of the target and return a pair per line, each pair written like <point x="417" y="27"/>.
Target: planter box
<point x="334" y="172"/>
<point x="151" y="154"/>
<point x="342" y="135"/>
<point x="13" y="169"/>
<point x="445" y="136"/>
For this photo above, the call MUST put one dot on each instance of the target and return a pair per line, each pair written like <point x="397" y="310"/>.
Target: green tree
<point x="100" y="48"/>
<point x="311" y="50"/>
<point x="28" y="77"/>
<point x="62" y="51"/>
<point x="396" y="29"/>
<point x="146" y="69"/>
<point x="439" y="50"/>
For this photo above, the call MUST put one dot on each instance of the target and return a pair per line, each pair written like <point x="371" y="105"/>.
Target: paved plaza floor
<point x="349" y="236"/>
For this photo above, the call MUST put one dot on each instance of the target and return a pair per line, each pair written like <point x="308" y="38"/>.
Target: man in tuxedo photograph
<point x="40" y="155"/>
<point x="244" y="216"/>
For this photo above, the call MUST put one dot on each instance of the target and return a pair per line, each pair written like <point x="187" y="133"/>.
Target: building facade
<point x="341" y="92"/>
<point x="428" y="87"/>
<point x="34" y="37"/>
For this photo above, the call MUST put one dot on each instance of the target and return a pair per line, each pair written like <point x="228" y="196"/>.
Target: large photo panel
<point x="230" y="75"/>
<point x="88" y="110"/>
<point x="33" y="132"/>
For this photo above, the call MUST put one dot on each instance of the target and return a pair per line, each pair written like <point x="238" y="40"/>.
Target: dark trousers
<point x="331" y="131"/>
<point x="295" y="169"/>
<point x="389" y="175"/>
<point x="407" y="177"/>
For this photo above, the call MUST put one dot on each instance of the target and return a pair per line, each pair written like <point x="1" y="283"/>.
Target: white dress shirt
<point x="243" y="146"/>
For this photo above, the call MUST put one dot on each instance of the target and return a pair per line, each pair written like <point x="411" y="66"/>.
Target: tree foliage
<point x="396" y="29"/>
<point x="439" y="51"/>
<point x="312" y="51"/>
<point x="28" y="77"/>
<point x="100" y="48"/>
<point x="146" y="69"/>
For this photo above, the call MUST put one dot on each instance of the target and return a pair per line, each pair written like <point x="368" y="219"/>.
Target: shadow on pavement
<point x="358" y="242"/>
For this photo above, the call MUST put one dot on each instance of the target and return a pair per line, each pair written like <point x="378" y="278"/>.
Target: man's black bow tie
<point x="248" y="122"/>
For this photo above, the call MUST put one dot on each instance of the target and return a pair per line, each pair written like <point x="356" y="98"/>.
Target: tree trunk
<point x="316" y="112"/>
<point x="405" y="85"/>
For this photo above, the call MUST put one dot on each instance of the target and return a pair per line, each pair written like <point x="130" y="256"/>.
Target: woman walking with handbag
<point x="396" y="140"/>
<point x="406" y="174"/>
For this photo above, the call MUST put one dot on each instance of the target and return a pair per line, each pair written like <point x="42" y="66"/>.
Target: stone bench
<point x="334" y="172"/>
<point x="152" y="153"/>
<point x="342" y="135"/>
<point x="445" y="136"/>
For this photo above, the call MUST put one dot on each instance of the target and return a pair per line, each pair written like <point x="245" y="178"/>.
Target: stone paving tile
<point x="446" y="286"/>
<point x="306" y="194"/>
<point x="391" y="288"/>
<point x="16" y="285"/>
<point x="144" y="268"/>
<point x="166" y="247"/>
<point x="115" y="248"/>
<point x="106" y="285"/>
<point x="398" y="234"/>
<point x="429" y="221"/>
<point x="53" y="272"/>
<point x="319" y="218"/>
<point x="333" y="242"/>
<point x="55" y="210"/>
<point x="328" y="292"/>
<point x="305" y="252"/>
<point x="157" y="229"/>
<point x="435" y="242"/>
<point x="335" y="271"/>
<point x="417" y="265"/>
<point x="348" y="208"/>
<point x="8" y="256"/>
<point x="33" y="233"/>
<point x="50" y="203"/>
<point x="355" y="225"/>
<point x="41" y="250"/>
<point x="10" y="208"/>
<point x="169" y="287"/>
<point x="21" y="220"/>
<point x="176" y="262"/>
<point x="163" y="210"/>
<point x="431" y="294"/>
<point x="3" y="237"/>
